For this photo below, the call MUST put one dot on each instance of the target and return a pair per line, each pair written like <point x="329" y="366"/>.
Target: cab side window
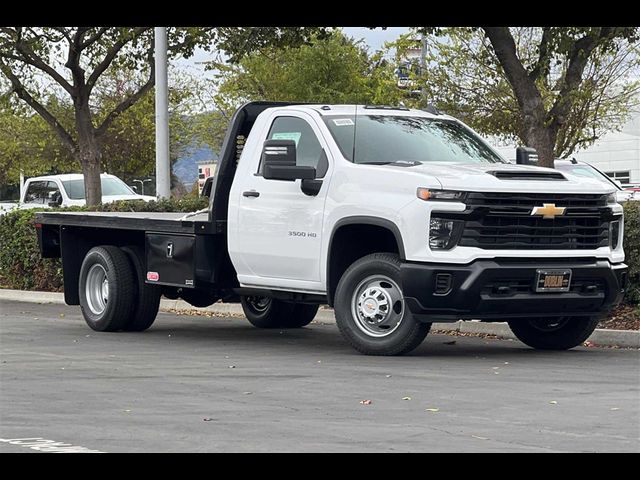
<point x="309" y="152"/>
<point x="36" y="192"/>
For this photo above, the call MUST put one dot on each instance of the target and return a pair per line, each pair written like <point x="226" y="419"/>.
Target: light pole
<point x="142" y="182"/>
<point x="163" y="182"/>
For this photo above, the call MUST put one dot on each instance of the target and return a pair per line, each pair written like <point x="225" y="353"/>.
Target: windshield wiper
<point x="400" y="163"/>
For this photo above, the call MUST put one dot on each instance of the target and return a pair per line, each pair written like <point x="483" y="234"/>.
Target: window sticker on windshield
<point x="295" y="136"/>
<point x="343" y="122"/>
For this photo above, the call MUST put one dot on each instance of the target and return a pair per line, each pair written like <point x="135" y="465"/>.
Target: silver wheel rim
<point x="97" y="289"/>
<point x="377" y="306"/>
<point x="549" y="324"/>
<point x="259" y="304"/>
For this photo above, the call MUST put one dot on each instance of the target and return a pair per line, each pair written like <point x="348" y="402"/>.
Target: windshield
<point x="381" y="139"/>
<point x="584" y="170"/>
<point x="110" y="186"/>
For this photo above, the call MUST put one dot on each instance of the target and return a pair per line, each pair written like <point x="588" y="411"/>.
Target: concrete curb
<point x="603" y="337"/>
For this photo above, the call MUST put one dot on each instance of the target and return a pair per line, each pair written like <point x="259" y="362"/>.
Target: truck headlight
<point x="612" y="198"/>
<point x="450" y="195"/>
<point x="444" y="233"/>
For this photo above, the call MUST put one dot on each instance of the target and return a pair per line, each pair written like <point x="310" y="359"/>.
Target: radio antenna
<point x="355" y="125"/>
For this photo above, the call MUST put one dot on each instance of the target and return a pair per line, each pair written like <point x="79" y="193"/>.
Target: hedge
<point x="22" y="268"/>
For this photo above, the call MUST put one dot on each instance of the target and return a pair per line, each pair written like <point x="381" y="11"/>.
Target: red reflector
<point x="153" y="276"/>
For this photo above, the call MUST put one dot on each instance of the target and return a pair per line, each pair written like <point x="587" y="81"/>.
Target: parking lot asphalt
<point x="218" y="384"/>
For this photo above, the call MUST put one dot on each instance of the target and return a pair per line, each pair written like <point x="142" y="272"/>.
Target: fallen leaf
<point x="127" y="411"/>
<point x="615" y="409"/>
<point x="406" y="398"/>
<point x="387" y="376"/>
<point x="452" y="342"/>
<point x="506" y="363"/>
<point x="496" y="368"/>
<point x="247" y="393"/>
<point x="232" y="366"/>
<point x="497" y="373"/>
<point x="208" y="419"/>
<point x="479" y="437"/>
<point x="62" y="315"/>
<point x="434" y="410"/>
<point x="589" y="344"/>
<point x="553" y="402"/>
<point x="365" y="402"/>
<point x="319" y="361"/>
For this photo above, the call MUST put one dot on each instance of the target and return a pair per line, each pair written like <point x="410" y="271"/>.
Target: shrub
<point x="632" y="248"/>
<point x="21" y="266"/>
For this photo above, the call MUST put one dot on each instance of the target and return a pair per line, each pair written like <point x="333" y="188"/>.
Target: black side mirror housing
<point x="526" y="156"/>
<point x="56" y="200"/>
<point x="206" y="188"/>
<point x="279" y="162"/>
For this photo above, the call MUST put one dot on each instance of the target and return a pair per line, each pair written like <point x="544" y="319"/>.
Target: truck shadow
<point x="320" y="340"/>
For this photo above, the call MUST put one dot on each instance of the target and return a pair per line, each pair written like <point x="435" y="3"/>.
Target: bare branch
<point x="111" y="54"/>
<point x="93" y="38"/>
<point x="542" y="64"/>
<point x="22" y="92"/>
<point x="33" y="59"/>
<point x="130" y="100"/>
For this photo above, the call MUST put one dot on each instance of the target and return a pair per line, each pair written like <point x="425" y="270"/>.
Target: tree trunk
<point x="543" y="139"/>
<point x="89" y="152"/>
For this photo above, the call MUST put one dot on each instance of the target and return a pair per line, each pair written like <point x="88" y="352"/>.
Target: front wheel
<point x="553" y="333"/>
<point x="370" y="309"/>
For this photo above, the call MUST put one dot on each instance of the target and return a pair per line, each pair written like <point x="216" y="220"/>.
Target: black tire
<point x="265" y="312"/>
<point x="553" y="333"/>
<point x="121" y="283"/>
<point x="147" y="297"/>
<point x="406" y="335"/>
<point x="301" y="316"/>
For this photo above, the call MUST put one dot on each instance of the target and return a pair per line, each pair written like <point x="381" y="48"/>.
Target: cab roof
<point x="327" y="110"/>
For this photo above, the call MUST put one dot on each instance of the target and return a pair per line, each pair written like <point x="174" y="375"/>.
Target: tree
<point x="74" y="59"/>
<point x="331" y="69"/>
<point x="557" y="89"/>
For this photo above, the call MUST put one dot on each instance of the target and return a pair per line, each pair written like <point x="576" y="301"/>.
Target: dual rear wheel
<point x="113" y="294"/>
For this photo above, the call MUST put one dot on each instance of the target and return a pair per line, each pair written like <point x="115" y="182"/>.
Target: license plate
<point x="553" y="281"/>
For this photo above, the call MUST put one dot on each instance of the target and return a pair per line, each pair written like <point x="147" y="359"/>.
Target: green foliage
<point x="632" y="248"/>
<point x="465" y="79"/>
<point x="331" y="69"/>
<point x="22" y="267"/>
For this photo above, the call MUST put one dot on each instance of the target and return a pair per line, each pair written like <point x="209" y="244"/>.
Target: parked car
<point x="68" y="190"/>
<point x="585" y="169"/>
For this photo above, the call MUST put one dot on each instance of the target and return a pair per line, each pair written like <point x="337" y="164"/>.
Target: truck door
<point x="280" y="227"/>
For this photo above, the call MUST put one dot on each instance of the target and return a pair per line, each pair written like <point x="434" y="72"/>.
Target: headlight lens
<point x="443" y="233"/>
<point x="611" y="198"/>
<point x="451" y="195"/>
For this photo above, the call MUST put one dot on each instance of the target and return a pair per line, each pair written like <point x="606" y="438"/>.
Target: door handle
<point x="250" y="193"/>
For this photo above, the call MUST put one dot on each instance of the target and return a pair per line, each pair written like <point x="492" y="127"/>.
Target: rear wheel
<point x="370" y="310"/>
<point x="301" y="316"/>
<point x="553" y="333"/>
<point x="265" y="312"/>
<point x="147" y="298"/>
<point x="106" y="285"/>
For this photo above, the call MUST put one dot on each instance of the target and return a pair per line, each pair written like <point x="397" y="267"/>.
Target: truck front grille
<point x="504" y="221"/>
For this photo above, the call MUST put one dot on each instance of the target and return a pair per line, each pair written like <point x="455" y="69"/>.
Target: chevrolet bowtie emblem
<point x="548" y="211"/>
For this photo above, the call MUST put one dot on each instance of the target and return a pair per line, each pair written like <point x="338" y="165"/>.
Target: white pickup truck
<point x="397" y="218"/>
<point x="67" y="190"/>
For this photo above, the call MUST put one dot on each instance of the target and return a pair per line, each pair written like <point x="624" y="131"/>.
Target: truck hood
<point x="113" y="198"/>
<point x="506" y="178"/>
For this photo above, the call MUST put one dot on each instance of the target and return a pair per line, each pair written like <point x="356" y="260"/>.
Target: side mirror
<point x="206" y="188"/>
<point x="279" y="162"/>
<point x="56" y="200"/>
<point x="526" y="156"/>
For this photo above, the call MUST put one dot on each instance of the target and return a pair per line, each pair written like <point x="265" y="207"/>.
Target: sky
<point x="373" y="38"/>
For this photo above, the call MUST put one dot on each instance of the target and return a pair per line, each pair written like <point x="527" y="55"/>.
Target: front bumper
<point x="501" y="289"/>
